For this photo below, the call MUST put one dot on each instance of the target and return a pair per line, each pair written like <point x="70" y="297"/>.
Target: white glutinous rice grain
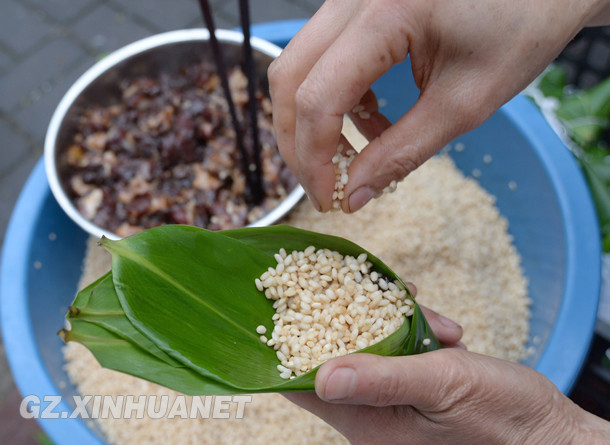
<point x="341" y="162"/>
<point x="362" y="307"/>
<point x="439" y="230"/>
<point x="391" y="188"/>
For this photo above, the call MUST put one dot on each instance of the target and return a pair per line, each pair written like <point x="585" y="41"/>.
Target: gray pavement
<point x="45" y="45"/>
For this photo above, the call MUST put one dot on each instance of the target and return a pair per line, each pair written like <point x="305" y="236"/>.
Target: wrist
<point x="592" y="429"/>
<point x="569" y="424"/>
<point x="556" y="419"/>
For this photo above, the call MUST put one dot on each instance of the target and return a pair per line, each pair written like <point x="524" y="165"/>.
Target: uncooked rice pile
<point x="439" y="230"/>
<point x="328" y="305"/>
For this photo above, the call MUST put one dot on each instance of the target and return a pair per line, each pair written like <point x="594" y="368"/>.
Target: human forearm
<point x="599" y="14"/>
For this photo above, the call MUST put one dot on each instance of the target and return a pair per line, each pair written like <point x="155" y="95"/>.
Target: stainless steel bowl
<point x="151" y="56"/>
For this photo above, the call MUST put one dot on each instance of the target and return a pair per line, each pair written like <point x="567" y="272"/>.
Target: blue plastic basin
<point x="550" y="213"/>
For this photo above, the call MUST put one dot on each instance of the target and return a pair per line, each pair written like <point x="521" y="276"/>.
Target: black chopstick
<point x="244" y="15"/>
<point x="254" y="191"/>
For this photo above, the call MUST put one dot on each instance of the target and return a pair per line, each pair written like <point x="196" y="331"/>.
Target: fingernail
<point x="313" y="200"/>
<point x="360" y="197"/>
<point x="340" y="384"/>
<point x="462" y="345"/>
<point x="447" y="322"/>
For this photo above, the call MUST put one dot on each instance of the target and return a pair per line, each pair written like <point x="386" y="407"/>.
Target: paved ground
<point x="44" y="46"/>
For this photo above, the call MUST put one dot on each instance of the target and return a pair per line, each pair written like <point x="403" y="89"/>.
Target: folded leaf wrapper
<point x="180" y="308"/>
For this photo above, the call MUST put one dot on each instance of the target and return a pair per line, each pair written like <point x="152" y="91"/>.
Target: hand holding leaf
<point x="180" y="308"/>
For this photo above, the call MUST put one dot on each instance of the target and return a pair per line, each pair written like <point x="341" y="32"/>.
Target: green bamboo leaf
<point x="421" y="330"/>
<point x="192" y="293"/>
<point x="99" y="304"/>
<point x="98" y="321"/>
<point x="187" y="292"/>
<point x="114" y="352"/>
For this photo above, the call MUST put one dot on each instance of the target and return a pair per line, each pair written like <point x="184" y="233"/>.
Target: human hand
<point x="468" y="58"/>
<point x="449" y="396"/>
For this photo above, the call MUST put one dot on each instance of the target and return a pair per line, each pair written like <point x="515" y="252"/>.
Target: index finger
<point x="292" y="66"/>
<point x="334" y="85"/>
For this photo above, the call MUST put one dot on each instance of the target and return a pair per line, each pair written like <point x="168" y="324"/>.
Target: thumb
<point x="425" y="381"/>
<point x="448" y="332"/>
<point x="434" y="121"/>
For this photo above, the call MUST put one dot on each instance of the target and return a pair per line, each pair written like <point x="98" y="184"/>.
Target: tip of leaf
<point x="73" y="311"/>
<point x="107" y="243"/>
<point x="63" y="334"/>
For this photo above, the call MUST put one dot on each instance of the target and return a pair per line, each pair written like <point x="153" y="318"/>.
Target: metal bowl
<point x="151" y="56"/>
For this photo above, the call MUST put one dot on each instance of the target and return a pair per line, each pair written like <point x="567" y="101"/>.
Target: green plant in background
<point x="43" y="439"/>
<point x="585" y="116"/>
<point x="180" y="308"/>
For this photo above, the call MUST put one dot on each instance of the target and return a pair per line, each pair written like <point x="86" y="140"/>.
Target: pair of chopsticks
<point x="251" y="164"/>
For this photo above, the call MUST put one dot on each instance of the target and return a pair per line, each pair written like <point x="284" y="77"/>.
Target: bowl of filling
<point x="145" y="137"/>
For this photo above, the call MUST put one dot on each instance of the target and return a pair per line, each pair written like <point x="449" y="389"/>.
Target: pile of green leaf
<point x="585" y="116"/>
<point x="180" y="308"/>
